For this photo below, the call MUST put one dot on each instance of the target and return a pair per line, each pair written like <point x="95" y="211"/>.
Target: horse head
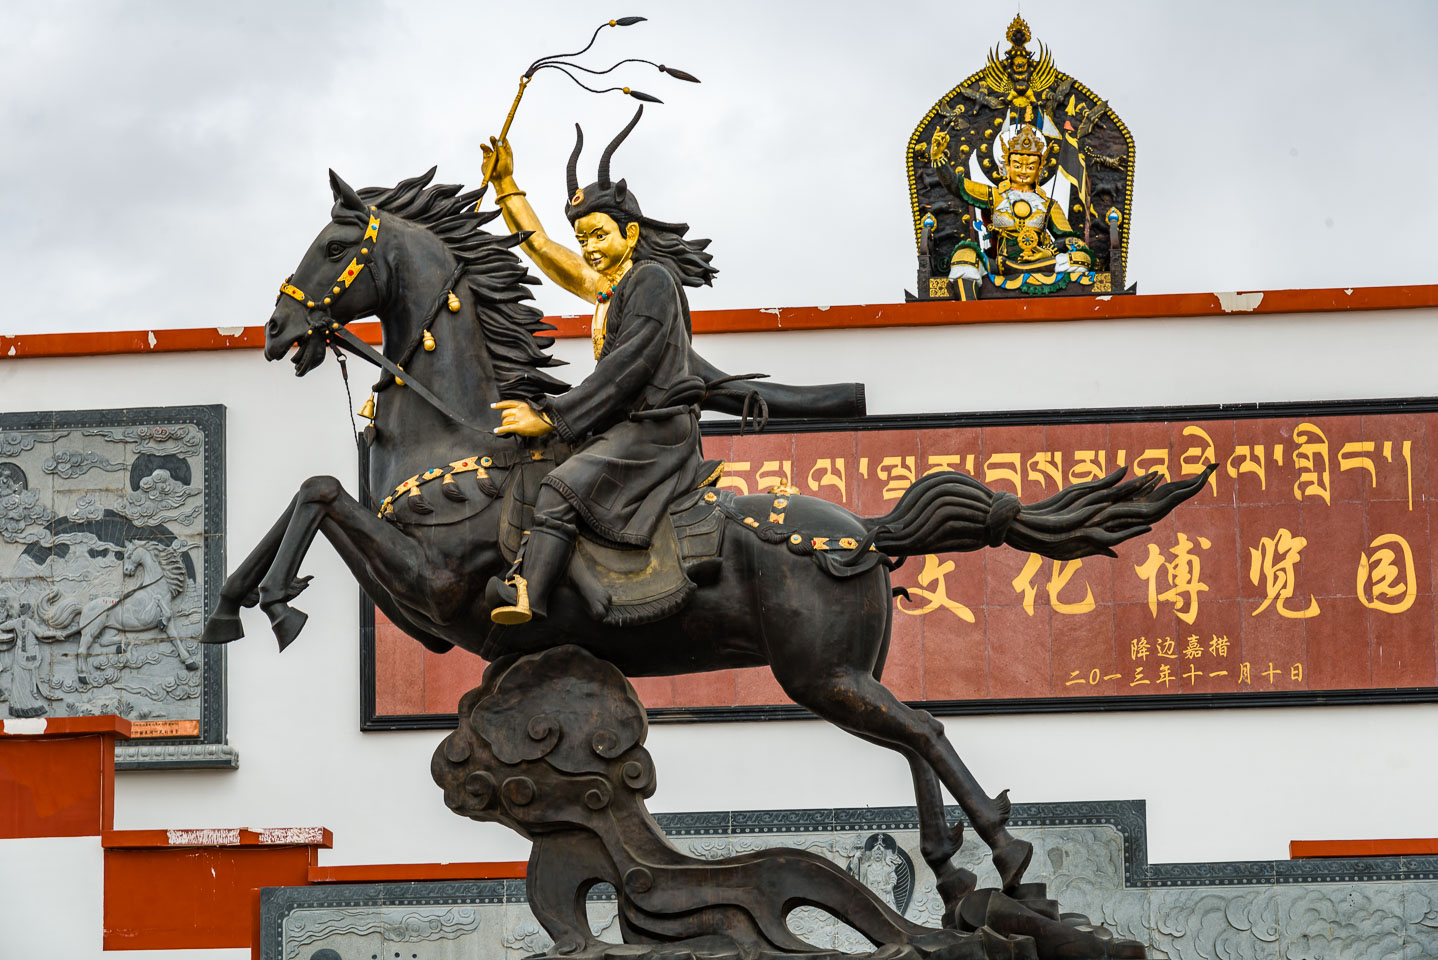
<point x="135" y="555"/>
<point x="335" y="282"/>
<point x="412" y="254"/>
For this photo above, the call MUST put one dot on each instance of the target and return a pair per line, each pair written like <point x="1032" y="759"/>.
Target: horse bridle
<point x="323" y="321"/>
<point x="336" y="334"/>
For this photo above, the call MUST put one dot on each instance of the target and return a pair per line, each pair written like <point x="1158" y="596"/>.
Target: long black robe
<point x="635" y="418"/>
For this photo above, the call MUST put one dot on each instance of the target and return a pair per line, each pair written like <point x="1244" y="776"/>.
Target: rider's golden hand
<point x="520" y="418"/>
<point x="498" y="161"/>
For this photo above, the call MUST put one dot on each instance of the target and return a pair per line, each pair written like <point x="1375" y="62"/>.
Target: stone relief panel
<point x="111" y="552"/>
<point x="1093" y="856"/>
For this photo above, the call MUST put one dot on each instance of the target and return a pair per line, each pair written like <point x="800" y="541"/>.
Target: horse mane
<point x="496" y="278"/>
<point x="170" y="565"/>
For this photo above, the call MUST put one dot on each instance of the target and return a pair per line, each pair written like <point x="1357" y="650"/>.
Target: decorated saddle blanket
<point x="624" y="587"/>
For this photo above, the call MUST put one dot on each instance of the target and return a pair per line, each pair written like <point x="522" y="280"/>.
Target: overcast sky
<point x="162" y="163"/>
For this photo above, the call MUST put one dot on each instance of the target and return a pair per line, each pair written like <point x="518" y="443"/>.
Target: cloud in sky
<point x="162" y="164"/>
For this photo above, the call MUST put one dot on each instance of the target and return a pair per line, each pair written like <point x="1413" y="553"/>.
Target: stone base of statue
<point x="552" y="745"/>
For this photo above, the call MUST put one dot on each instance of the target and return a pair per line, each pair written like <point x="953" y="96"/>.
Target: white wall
<point x="1222" y="784"/>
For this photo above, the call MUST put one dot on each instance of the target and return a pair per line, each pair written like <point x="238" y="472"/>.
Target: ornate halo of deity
<point x="1020" y="183"/>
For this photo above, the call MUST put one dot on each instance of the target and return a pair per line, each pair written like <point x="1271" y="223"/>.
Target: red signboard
<point x="1302" y="573"/>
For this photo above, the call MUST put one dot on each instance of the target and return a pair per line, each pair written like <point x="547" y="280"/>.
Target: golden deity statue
<point x="1034" y="248"/>
<point x="1020" y="183"/>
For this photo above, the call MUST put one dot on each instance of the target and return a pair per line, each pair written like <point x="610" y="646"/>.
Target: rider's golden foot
<point x="517" y="611"/>
<point x="509" y="616"/>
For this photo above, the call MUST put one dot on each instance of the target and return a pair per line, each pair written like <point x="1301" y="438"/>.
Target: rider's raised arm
<point x="559" y="263"/>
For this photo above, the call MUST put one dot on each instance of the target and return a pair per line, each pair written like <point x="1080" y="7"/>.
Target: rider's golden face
<point x="601" y="243"/>
<point x="1023" y="169"/>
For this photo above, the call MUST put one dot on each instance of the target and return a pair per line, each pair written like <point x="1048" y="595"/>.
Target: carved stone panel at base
<point x="1092" y="856"/>
<point x="111" y="553"/>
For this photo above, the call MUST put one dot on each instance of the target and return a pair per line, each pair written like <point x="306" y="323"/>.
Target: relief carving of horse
<point x="820" y="621"/>
<point x="107" y="621"/>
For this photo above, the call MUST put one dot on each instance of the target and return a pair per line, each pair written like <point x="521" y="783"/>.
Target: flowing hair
<point x="686" y="260"/>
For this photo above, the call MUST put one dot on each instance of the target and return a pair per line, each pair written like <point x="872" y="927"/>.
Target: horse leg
<point x="300" y="527"/>
<point x="938" y="839"/>
<point x="364" y="552"/>
<point x="223" y="625"/>
<point x="168" y="624"/>
<point x="847" y="693"/>
<point x="854" y="700"/>
<point x="82" y="655"/>
<point x="323" y="500"/>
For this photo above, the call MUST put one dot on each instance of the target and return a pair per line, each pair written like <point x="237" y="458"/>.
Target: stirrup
<point x="519" y="612"/>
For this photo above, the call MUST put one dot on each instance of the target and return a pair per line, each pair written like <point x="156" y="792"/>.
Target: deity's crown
<point x="1027" y="140"/>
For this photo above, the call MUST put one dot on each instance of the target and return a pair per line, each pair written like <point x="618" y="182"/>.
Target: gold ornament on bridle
<point x="347" y="276"/>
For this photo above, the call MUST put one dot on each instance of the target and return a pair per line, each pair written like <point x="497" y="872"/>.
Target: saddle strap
<point x="840" y="557"/>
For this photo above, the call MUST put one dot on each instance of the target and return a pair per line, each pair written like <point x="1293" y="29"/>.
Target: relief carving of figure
<point x="884" y="868"/>
<point x="22" y="634"/>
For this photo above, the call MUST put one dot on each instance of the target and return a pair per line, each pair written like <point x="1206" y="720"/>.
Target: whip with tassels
<point x="561" y="62"/>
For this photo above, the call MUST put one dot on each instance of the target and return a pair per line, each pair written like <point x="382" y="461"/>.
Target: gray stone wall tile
<point x="1345" y="921"/>
<point x="1202" y="923"/>
<point x="707" y="823"/>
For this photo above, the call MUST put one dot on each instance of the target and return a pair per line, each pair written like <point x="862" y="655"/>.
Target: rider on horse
<point x="635" y="420"/>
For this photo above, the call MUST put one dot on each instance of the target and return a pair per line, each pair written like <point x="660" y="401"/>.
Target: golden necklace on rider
<point x="601" y="305"/>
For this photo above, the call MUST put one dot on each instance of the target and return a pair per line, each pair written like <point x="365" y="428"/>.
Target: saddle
<point x="627" y="586"/>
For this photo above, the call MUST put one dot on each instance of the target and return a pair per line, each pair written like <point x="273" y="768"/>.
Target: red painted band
<point x="853" y="316"/>
<point x="1308" y="849"/>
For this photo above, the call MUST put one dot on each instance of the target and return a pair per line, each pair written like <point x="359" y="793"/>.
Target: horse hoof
<point x="1011" y="859"/>
<point x="286" y="622"/>
<point x="221" y="629"/>
<point x="1126" y="948"/>
<point x="955" y="883"/>
<point x="190" y="664"/>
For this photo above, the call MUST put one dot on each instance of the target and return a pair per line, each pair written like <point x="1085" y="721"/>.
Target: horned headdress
<point x="606" y="195"/>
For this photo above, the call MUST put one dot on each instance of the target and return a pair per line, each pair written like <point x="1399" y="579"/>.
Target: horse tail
<point x="952" y="512"/>
<point x="59" y="614"/>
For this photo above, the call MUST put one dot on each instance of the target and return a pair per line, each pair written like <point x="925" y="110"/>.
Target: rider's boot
<point x="546" y="555"/>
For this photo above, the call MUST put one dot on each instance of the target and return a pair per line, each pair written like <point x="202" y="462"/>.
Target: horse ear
<point x="345" y="194"/>
<point x="621" y="190"/>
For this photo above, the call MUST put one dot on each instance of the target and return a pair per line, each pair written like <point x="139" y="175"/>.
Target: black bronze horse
<point x="416" y="257"/>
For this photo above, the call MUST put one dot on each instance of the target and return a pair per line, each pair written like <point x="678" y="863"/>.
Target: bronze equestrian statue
<point x="586" y="515"/>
